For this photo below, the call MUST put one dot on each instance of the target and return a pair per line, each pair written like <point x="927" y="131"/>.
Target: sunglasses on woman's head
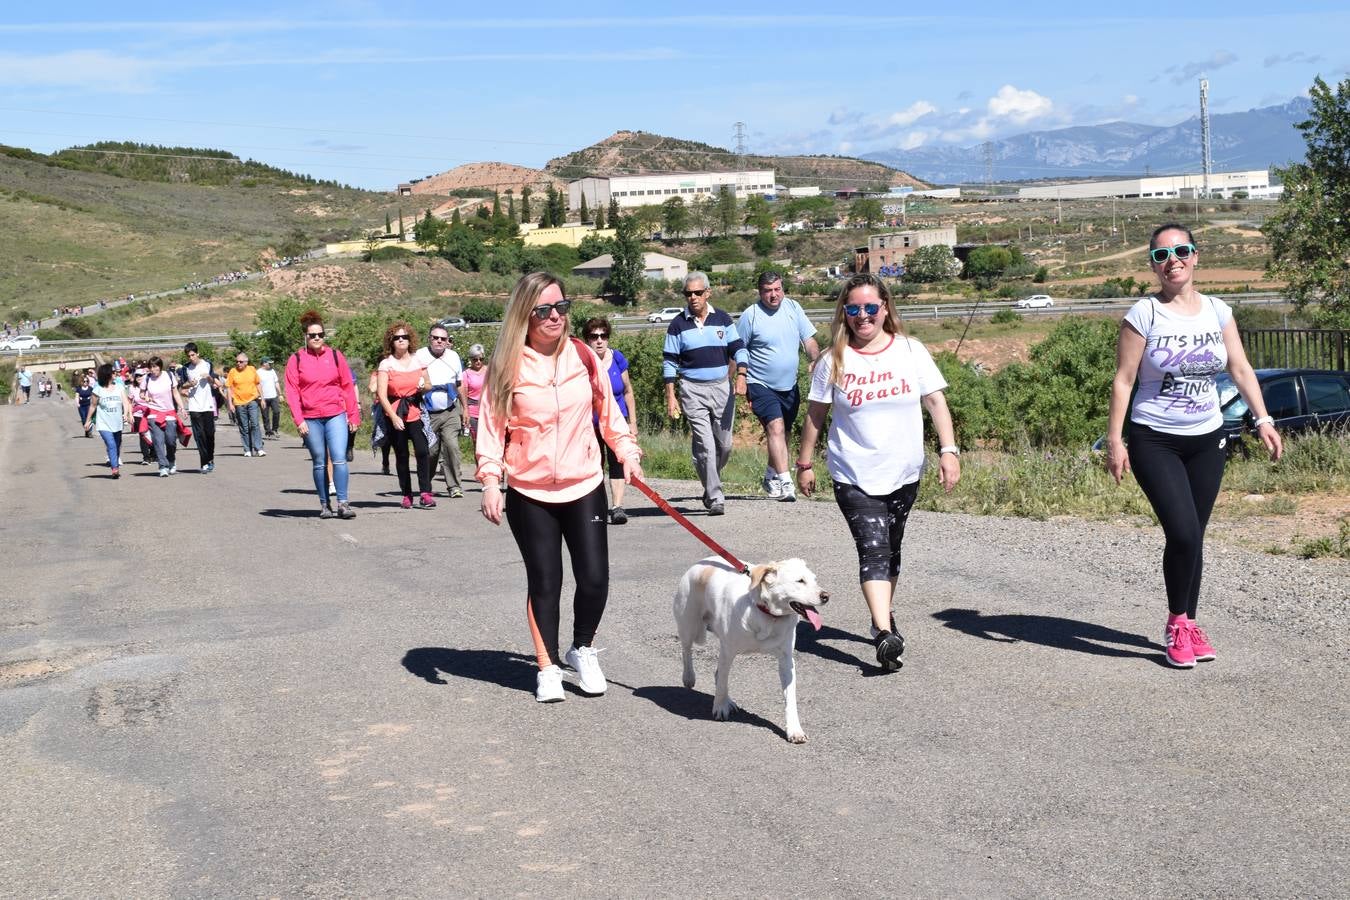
<point x="545" y="310"/>
<point x="1180" y="251"/>
<point x="853" y="309"/>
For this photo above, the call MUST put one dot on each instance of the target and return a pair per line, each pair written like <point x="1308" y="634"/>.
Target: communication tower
<point x="740" y="156"/>
<point x="1204" y="132"/>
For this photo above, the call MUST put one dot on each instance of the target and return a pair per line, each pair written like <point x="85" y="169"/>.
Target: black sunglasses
<point x="545" y="310"/>
<point x="440" y="337"/>
<point x="696" y="293"/>
<point x="400" y="337"/>
<point x="313" y="334"/>
<point x="599" y="335"/>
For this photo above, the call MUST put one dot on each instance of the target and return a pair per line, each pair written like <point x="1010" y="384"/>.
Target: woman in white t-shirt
<point x="1175" y="341"/>
<point x="876" y="378"/>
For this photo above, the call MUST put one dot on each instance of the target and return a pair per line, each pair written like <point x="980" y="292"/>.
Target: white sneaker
<point x="248" y="453"/>
<point x="787" y="491"/>
<point x="548" y="685"/>
<point x="261" y="453"/>
<point x="586" y="663"/>
<point x="773" y="486"/>
<point x="173" y="470"/>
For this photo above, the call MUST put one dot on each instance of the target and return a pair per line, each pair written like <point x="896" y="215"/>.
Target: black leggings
<point x="412" y="431"/>
<point x="878" y="527"/>
<point x="1180" y="476"/>
<point x="539" y="529"/>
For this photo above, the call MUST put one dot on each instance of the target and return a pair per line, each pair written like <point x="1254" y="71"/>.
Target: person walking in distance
<point x="535" y="424"/>
<point x="243" y="393"/>
<point x="199" y="384"/>
<point x="875" y="382"/>
<point x="442" y="401"/>
<point x="772" y="330"/>
<point x="324" y="407"/>
<point x="164" y="415"/>
<point x="269" y="389"/>
<point x="401" y="380"/>
<point x="616" y="370"/>
<point x="702" y="352"/>
<point x="110" y="414"/>
<point x="1174" y="342"/>
<point x="473" y="378"/>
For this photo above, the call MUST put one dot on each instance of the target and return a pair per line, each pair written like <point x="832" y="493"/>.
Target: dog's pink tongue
<point x="813" y="617"/>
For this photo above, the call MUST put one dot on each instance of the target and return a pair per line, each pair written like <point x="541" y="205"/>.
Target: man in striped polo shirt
<point x="702" y="353"/>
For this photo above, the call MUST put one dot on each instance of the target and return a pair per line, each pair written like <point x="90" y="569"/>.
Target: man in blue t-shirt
<point x="772" y="330"/>
<point x="25" y="384"/>
<point x="701" y="349"/>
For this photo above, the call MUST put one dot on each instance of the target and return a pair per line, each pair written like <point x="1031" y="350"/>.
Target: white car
<point x="666" y="315"/>
<point x="1036" y="301"/>
<point x="21" y="342"/>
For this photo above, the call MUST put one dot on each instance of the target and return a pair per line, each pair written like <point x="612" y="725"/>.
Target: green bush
<point x="385" y="254"/>
<point x="1005" y="316"/>
<point x="480" y="310"/>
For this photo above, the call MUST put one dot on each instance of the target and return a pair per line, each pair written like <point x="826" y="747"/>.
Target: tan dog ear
<point x="759" y="573"/>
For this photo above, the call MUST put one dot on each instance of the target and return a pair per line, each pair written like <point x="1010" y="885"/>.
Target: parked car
<point x="665" y="315"/>
<point x="21" y="342"/>
<point x="1298" y="400"/>
<point x="1035" y="301"/>
<point x="453" y="323"/>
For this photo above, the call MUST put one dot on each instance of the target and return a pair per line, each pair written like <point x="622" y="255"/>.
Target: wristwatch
<point x="954" y="451"/>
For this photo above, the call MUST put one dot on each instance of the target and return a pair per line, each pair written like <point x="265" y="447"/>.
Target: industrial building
<point x="1222" y="186"/>
<point x="652" y="190"/>
<point x="655" y="266"/>
<point x="886" y="252"/>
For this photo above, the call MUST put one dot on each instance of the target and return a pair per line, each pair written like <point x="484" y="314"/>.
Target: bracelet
<point x="1264" y="420"/>
<point x="804" y="467"/>
<point x="954" y="451"/>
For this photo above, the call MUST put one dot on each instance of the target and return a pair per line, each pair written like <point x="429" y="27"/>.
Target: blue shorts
<point x="768" y="404"/>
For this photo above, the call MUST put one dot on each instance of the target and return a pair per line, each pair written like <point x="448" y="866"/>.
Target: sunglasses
<point x="1180" y="251"/>
<point x="853" y="309"/>
<point x="546" y="310"/>
<point x="400" y="337"/>
<point x="313" y="335"/>
<point x="440" y="337"/>
<point x="696" y="293"/>
<point x="598" y="336"/>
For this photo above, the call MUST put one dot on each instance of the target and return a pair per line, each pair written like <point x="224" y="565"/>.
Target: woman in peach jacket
<point x="535" y="426"/>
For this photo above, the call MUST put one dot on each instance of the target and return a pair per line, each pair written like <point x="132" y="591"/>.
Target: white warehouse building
<point x="652" y="190"/>
<point x="1222" y="185"/>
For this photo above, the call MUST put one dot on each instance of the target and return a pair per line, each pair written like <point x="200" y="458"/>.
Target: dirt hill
<point x="638" y="151"/>
<point x="492" y="176"/>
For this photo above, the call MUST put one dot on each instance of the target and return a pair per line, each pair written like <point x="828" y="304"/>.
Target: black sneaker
<point x="617" y="516"/>
<point x="716" y="508"/>
<point x="890" y="647"/>
<point x="344" y="511"/>
<point x="327" y="512"/>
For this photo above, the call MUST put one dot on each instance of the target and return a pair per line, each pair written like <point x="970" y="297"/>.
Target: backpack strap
<point x="588" y="360"/>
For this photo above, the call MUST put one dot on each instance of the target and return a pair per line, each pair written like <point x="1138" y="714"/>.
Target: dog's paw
<point x="723" y="711"/>
<point x="796" y="737"/>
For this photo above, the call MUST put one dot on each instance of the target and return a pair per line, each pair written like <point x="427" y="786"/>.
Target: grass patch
<point x="1329" y="547"/>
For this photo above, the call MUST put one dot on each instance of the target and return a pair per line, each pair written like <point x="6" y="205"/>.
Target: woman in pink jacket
<point x="534" y="424"/>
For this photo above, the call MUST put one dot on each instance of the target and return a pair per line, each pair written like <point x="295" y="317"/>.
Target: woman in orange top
<point x="535" y="424"/>
<point x="400" y="380"/>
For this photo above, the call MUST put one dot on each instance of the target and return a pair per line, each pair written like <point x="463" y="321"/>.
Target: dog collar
<point x="764" y="609"/>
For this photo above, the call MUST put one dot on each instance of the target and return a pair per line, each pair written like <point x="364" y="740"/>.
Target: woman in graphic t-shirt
<point x="1175" y="341"/>
<point x="876" y="379"/>
<point x="109" y="413"/>
<point x="401" y="379"/>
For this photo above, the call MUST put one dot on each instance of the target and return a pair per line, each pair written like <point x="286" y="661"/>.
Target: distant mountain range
<point x="1243" y="141"/>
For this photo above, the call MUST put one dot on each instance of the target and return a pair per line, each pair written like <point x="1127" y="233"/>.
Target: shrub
<point x="1042" y="273"/>
<point x="1005" y="317"/>
<point x="480" y="310"/>
<point x="385" y="254"/>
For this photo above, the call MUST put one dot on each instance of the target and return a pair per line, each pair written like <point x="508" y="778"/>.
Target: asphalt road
<point x="207" y="691"/>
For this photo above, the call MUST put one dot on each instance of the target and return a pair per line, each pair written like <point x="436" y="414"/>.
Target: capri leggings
<point x="539" y="529"/>
<point x="613" y="465"/>
<point x="878" y="527"/>
<point x="1180" y="476"/>
<point x="414" y="432"/>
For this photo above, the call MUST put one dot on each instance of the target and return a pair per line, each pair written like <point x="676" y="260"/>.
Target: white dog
<point x="755" y="613"/>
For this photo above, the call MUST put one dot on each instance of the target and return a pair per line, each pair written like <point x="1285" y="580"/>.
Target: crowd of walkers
<point x="551" y="416"/>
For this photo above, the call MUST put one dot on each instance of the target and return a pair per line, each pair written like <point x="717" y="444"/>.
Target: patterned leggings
<point x="878" y="527"/>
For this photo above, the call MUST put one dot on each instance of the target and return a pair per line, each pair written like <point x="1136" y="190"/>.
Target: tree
<point x="614" y="213"/>
<point x="936" y="262"/>
<point x="1310" y="231"/>
<point x="295" y="244"/>
<point x="866" y="210"/>
<point x="987" y="263"/>
<point x="758" y="215"/>
<point x="764" y="242"/>
<point x="387" y="224"/>
<point x="726" y="210"/>
<point x="400" y="222"/>
<point x="592" y="245"/>
<point x="510" y="205"/>
<point x="584" y="212"/>
<point x="525" y="204"/>
<point x="703" y="215"/>
<point x="557" y="203"/>
<point x="674" y="218"/>
<point x="647" y="219"/>
<point x="496" y="206"/>
<point x="625" y="275"/>
<point x="599" y="217"/>
<point x="427" y="231"/>
<point x="455" y="219"/>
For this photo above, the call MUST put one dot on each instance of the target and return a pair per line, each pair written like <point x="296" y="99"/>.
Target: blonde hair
<point x="501" y="378"/>
<point x="839" y="333"/>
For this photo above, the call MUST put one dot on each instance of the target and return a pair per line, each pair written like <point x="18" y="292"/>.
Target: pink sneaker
<point x="1200" y="645"/>
<point x="1179" y="653"/>
<point x="426" y="501"/>
<point x="407" y="503"/>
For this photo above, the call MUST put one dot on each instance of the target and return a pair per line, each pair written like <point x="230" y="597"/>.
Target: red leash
<point x="689" y="526"/>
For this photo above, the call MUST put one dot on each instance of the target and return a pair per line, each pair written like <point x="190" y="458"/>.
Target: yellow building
<point x="571" y="235"/>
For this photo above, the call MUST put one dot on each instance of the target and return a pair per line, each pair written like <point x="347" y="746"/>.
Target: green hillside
<point x="78" y="230"/>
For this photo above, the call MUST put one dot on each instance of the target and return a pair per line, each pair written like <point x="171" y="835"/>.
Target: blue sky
<point x="372" y="94"/>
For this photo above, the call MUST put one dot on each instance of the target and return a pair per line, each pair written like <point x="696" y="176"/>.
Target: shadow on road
<point x="306" y="513"/>
<point x="1050" y="631"/>
<point x="811" y="641"/>
<point x="510" y="670"/>
<point x="691" y="703"/>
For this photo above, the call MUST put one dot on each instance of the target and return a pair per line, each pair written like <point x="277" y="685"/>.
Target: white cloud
<point x="1130" y="100"/>
<point x="914" y="139"/>
<point x="845" y="147"/>
<point x="912" y="113"/>
<point x="1020" y="107"/>
<point x="92" y="69"/>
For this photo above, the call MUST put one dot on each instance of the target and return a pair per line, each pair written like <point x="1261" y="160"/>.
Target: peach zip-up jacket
<point x="547" y="445"/>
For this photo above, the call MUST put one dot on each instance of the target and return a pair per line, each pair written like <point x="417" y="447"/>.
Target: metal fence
<point x="1297" y="348"/>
